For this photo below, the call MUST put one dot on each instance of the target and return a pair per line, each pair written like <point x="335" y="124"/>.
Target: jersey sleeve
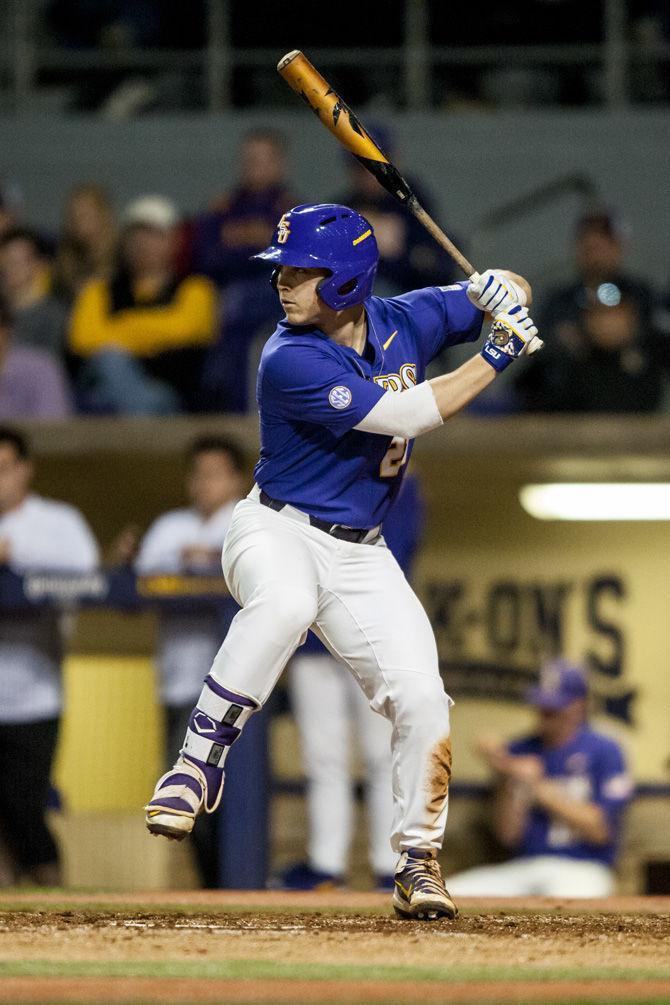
<point x="522" y="745"/>
<point x="306" y="383"/>
<point x="613" y="786"/>
<point x="441" y="316"/>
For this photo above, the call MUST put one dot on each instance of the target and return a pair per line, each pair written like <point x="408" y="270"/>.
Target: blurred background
<point x="148" y="149"/>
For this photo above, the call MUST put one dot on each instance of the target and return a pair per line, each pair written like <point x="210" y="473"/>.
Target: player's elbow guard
<point x="407" y="414"/>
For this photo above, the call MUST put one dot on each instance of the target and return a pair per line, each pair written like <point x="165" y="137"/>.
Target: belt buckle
<point x="333" y="527"/>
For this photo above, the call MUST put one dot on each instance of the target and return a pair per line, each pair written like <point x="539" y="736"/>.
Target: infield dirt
<point x="267" y="947"/>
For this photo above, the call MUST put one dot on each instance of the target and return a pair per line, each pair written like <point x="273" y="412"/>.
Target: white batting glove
<point x="511" y="335"/>
<point x="494" y="292"/>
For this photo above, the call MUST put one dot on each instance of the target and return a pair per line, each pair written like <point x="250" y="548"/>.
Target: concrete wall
<point x="471" y="163"/>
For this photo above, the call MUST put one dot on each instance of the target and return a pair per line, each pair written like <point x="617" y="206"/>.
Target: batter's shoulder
<point x="288" y="351"/>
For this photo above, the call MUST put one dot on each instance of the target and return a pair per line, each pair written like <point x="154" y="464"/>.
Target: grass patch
<point x="265" y="969"/>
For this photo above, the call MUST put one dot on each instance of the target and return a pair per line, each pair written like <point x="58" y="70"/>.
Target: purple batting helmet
<point x="328" y="236"/>
<point x="561" y="683"/>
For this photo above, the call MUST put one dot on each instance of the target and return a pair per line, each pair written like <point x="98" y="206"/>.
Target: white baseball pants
<point x="328" y="707"/>
<point x="535" y="876"/>
<point x="288" y="576"/>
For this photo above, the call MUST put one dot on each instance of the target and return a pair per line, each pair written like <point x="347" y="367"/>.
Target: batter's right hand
<point x="495" y="292"/>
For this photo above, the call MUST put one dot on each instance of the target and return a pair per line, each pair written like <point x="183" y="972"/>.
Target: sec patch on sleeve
<point x="340" y="396"/>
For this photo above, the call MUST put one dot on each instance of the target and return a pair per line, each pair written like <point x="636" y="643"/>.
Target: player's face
<point x="213" y="481"/>
<point x="15" y="475"/>
<point x="297" y="289"/>
<point x="557" y="726"/>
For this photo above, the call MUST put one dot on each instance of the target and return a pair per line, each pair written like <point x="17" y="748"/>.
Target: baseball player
<point x="189" y="540"/>
<point x="42" y="535"/>
<point x="305" y="548"/>
<point x="560" y="801"/>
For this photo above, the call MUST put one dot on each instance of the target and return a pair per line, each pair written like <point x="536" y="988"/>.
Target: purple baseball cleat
<point x="180" y="795"/>
<point x="419" y="888"/>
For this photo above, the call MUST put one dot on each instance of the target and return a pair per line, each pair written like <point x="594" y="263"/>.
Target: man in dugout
<point x="42" y="535"/>
<point x="560" y="798"/>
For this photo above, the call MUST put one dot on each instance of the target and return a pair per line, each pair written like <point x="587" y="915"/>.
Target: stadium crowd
<point x="151" y="313"/>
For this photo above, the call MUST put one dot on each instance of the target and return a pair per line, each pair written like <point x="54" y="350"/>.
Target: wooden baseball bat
<point x="336" y="116"/>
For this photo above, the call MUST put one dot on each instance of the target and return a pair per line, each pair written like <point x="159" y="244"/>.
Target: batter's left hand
<point x="496" y="292"/>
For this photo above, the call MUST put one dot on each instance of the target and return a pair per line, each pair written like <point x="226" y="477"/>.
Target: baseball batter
<point x="305" y="548"/>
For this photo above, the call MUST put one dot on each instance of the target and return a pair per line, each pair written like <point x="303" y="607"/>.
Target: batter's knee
<point x="291" y="609"/>
<point x="419" y="699"/>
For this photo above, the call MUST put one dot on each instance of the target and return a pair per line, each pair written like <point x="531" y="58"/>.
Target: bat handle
<point x="419" y="212"/>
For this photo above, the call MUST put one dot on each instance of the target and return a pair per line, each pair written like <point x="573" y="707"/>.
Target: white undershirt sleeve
<point x="405" y="414"/>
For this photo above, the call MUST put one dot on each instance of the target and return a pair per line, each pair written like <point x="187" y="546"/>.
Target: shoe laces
<point x="425" y="874"/>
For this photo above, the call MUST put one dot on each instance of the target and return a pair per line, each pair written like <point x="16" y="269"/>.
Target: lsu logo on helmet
<point x="283" y="229"/>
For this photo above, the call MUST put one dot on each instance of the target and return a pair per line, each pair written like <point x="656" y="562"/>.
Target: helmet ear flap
<point x="326" y="279"/>
<point x="274" y="278"/>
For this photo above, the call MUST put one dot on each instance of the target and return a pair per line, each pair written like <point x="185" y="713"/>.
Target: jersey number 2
<point x="394" y="458"/>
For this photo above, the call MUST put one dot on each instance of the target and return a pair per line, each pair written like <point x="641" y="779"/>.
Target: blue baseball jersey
<point x="312" y="392"/>
<point x="589" y="768"/>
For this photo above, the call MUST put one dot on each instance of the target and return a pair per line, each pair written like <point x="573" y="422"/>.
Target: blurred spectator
<point x="190" y="541"/>
<point x="38" y="318"/>
<point x="10" y="205"/>
<point x="237" y="226"/>
<point x="141" y="335"/>
<point x="39" y="534"/>
<point x="608" y="361"/>
<point x="32" y="382"/>
<point x="88" y="241"/>
<point x="329" y="705"/>
<point x="602" y="351"/>
<point x="559" y="801"/>
<point x="114" y="26"/>
<point x="599" y="249"/>
<point x="409" y="258"/>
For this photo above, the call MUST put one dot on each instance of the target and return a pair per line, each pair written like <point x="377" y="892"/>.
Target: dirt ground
<point x="355" y="949"/>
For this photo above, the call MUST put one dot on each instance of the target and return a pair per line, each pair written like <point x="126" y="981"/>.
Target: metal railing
<point x="24" y="56"/>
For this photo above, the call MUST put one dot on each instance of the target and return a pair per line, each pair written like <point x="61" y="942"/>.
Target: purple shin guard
<point x="215" y="724"/>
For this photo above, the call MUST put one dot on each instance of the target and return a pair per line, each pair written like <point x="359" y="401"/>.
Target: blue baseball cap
<point x="561" y="683"/>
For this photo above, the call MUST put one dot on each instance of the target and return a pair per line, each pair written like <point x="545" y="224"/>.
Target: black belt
<point x="355" y="535"/>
